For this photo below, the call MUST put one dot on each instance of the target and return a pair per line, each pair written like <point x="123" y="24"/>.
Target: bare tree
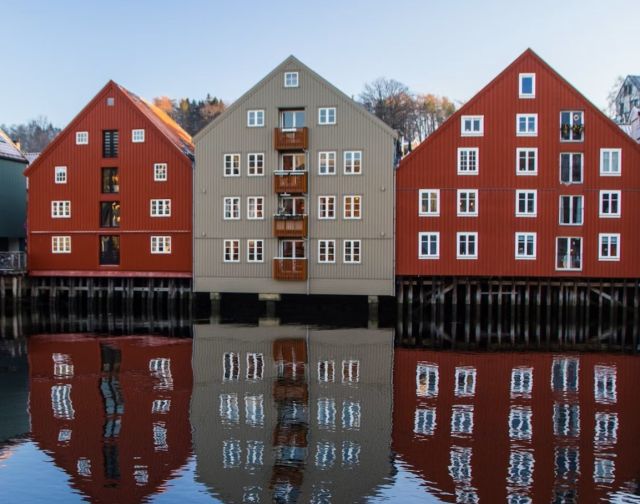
<point x="430" y="112"/>
<point x="33" y="136"/>
<point x="392" y="102"/>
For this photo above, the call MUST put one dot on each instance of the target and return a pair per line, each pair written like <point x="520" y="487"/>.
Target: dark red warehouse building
<point x="111" y="195"/>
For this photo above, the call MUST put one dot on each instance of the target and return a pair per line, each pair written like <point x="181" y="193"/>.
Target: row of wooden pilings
<point x="485" y="312"/>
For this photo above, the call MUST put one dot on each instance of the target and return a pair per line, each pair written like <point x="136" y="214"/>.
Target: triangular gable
<point x="277" y="70"/>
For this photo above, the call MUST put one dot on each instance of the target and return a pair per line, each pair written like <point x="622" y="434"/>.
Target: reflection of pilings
<point x="515" y="311"/>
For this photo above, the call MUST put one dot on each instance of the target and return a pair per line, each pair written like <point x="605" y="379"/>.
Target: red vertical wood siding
<point x="433" y="165"/>
<point x="137" y="187"/>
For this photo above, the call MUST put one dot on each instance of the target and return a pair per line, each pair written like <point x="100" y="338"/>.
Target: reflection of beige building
<point x="292" y="414"/>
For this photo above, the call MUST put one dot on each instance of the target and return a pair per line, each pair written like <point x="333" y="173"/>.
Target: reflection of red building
<point x="112" y="412"/>
<point x="521" y="426"/>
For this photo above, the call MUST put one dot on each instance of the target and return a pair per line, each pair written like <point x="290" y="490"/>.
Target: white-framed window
<point x="255" y="164"/>
<point x="326" y="251"/>
<point x="526" y="203"/>
<point x="610" y="162"/>
<point x="467" y="202"/>
<point x="472" y="125"/>
<point x="571" y="126"/>
<point x="525" y="246"/>
<point x="82" y="137"/>
<point x="465" y="382"/>
<point x="255" y="207"/>
<point x="569" y="253"/>
<point x="527" y="85"/>
<point x="521" y="382"/>
<point x="527" y="161"/>
<point x="255" y="118"/>
<point x="571" y="167"/>
<point x="161" y="245"/>
<point x="520" y="424"/>
<point x="427" y="379"/>
<point x="160" y="207"/>
<point x="604" y="384"/>
<point x="429" y="202"/>
<point x="429" y="245"/>
<point x="467" y="245"/>
<point x="609" y="247"/>
<point x="468" y="163"/>
<point x="61" y="244"/>
<point x="352" y="162"/>
<point x="231" y="208"/>
<point x="326" y="371"/>
<point x="291" y="79"/>
<point x="326" y="115"/>
<point x="232" y="165"/>
<point x="137" y="136"/>
<point x="610" y="204"/>
<point x="424" y="421"/>
<point x="527" y="124"/>
<point x="61" y="209"/>
<point x="231" y="251"/>
<point x="60" y="174"/>
<point x="352" y="207"/>
<point x="111" y="101"/>
<point x="160" y="172"/>
<point x="462" y="420"/>
<point x="230" y="367"/>
<point x="255" y="366"/>
<point x="326" y="163"/>
<point x="571" y="210"/>
<point x="326" y="207"/>
<point x="352" y="251"/>
<point x="255" y="251"/>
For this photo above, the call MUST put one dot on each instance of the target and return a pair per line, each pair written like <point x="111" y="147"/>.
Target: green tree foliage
<point x="192" y="115"/>
<point x="33" y="136"/>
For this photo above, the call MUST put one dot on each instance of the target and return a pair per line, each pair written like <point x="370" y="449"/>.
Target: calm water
<point x="300" y="414"/>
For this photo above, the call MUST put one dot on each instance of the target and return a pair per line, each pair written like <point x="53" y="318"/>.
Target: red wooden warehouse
<point x="527" y="179"/>
<point x="111" y="195"/>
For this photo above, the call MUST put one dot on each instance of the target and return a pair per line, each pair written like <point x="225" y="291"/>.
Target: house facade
<point x="111" y="195"/>
<point x="627" y="98"/>
<point x="294" y="192"/>
<point x="13" y="196"/>
<point x="527" y="179"/>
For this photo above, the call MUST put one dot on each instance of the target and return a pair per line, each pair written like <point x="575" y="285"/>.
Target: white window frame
<point x="325" y="116"/>
<point x="160" y="172"/>
<point x="609" y="172"/>
<point x="527" y="132"/>
<point x="469" y="120"/>
<point x="258" y="207"/>
<point x="429" y="235"/>
<point x="526" y="193"/>
<point x="609" y="214"/>
<point x="571" y="181"/>
<point x="82" y="138"/>
<point x="233" y="202"/>
<point x="326" y="244"/>
<point x="160" y="244"/>
<point x="137" y="136"/>
<point x="350" y="165"/>
<point x="160" y="207"/>
<point x="232" y="160"/>
<point x="60" y="174"/>
<point x="61" y="209"/>
<point x="291" y="79"/>
<point x="257" y="159"/>
<point x="555" y="260"/>
<point x="324" y="214"/>
<point x="234" y="247"/>
<point x="351" y="244"/>
<point x="608" y="236"/>
<point x="528" y="151"/>
<point x="572" y="199"/>
<point x="255" y="250"/>
<point x="467" y="256"/>
<point x="526" y="236"/>
<point x="462" y="151"/>
<point x="521" y="382"/>
<point x="255" y="118"/>
<point x="323" y="160"/>
<point x="432" y="195"/>
<point x="61" y="244"/>
<point x="353" y="215"/>
<point x="467" y="213"/>
<point x="521" y="93"/>
<point x="571" y="113"/>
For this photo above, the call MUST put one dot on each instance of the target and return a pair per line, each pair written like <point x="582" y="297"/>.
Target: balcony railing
<point x="13" y="262"/>
<point x="289" y="269"/>
<point x="290" y="226"/>
<point x="291" y="182"/>
<point x="297" y="139"/>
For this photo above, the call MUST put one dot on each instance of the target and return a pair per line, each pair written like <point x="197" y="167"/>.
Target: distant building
<point x="634" y="124"/>
<point x="628" y="97"/>
<point x="13" y="196"/>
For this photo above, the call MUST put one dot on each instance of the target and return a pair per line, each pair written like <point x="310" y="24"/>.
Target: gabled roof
<point x="452" y="120"/>
<point x="292" y="59"/>
<point x="9" y="150"/>
<point x="179" y="138"/>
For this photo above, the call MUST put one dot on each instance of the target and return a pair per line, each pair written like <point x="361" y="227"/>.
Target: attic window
<point x="137" y="136"/>
<point x="82" y="137"/>
<point x="111" y="101"/>
<point x="527" y="85"/>
<point x="291" y="79"/>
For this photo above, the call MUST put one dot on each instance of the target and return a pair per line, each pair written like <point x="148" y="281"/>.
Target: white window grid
<point x="525" y="246"/>
<point x="160" y="207"/>
<point x="610" y="162"/>
<point x="61" y="244"/>
<point x="326" y="371"/>
<point x="255" y="366"/>
<point x="429" y="245"/>
<point x="427" y="379"/>
<point x="326" y="251"/>
<point x="352" y="207"/>
<point x="425" y="421"/>
<point x="575" y="206"/>
<point x="137" y="136"/>
<point x="467" y="245"/>
<point x="468" y="160"/>
<point x="326" y="207"/>
<point x="254" y="410"/>
<point x="350" y="371"/>
<point x="465" y="381"/>
<point x="255" y="251"/>
<point x="231" y="251"/>
<point x="527" y="161"/>
<point x="326" y="115"/>
<point x="255" y="118"/>
<point x="160" y="172"/>
<point x="610" y="204"/>
<point x="609" y="246"/>
<point x="429" y="202"/>
<point x="352" y="251"/>
<point x="255" y="164"/>
<point x="161" y="244"/>
<point x="352" y="162"/>
<point x="571" y="175"/>
<point x="461" y="420"/>
<point x="527" y="124"/>
<point x="467" y="202"/>
<point x="255" y="207"/>
<point x="61" y="209"/>
<point x="60" y="175"/>
<point x="472" y="125"/>
<point x="526" y="203"/>
<point x="82" y="137"/>
<point x="291" y="79"/>
<point x="521" y="382"/>
<point x="326" y="163"/>
<point x="231" y="208"/>
<point x="520" y="423"/>
<point x="232" y="165"/>
<point x="605" y="390"/>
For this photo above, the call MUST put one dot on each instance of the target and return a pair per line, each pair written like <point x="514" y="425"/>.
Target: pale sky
<point x="57" y="54"/>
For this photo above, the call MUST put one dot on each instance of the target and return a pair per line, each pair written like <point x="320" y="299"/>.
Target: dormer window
<point x="291" y="79"/>
<point x="472" y="125"/>
<point x="527" y="85"/>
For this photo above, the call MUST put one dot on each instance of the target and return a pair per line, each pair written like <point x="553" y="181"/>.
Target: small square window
<point x="609" y="247"/>
<point x="61" y="209"/>
<point x="137" y="136"/>
<point x="527" y="85"/>
<point x="160" y="172"/>
<point x="326" y="115"/>
<point x="291" y="79"/>
<point x="61" y="244"/>
<point x="525" y="245"/>
<point x="82" y="137"/>
<point x="160" y="208"/>
<point x="472" y="125"/>
<point x="60" y="175"/>
<point x="352" y="162"/>
<point x="527" y="124"/>
<point x="255" y="118"/>
<point x="428" y="245"/>
<point x="161" y="245"/>
<point x="111" y="101"/>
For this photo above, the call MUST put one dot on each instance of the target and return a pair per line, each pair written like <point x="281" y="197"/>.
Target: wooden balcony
<point x="292" y="182"/>
<point x="286" y="140"/>
<point x="289" y="269"/>
<point x="290" y="226"/>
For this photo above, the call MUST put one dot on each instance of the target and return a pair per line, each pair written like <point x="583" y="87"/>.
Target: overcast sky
<point x="56" y="55"/>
